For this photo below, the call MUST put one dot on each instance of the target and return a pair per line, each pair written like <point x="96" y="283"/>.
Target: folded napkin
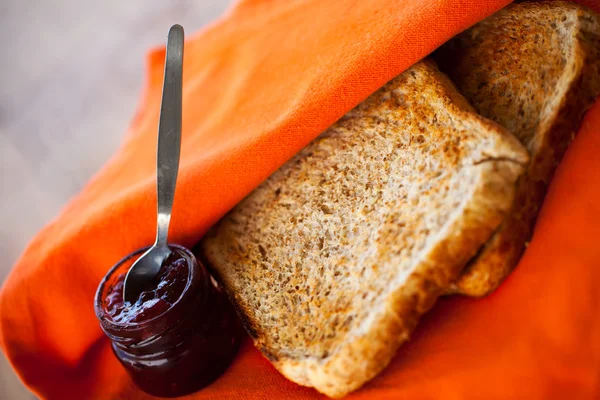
<point x="259" y="84"/>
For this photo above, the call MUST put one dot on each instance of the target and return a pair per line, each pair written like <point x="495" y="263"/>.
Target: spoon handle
<point x="169" y="132"/>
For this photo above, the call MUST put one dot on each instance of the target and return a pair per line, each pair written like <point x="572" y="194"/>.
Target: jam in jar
<point x="180" y="335"/>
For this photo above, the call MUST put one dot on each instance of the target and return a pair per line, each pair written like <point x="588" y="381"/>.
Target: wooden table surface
<point x="71" y="74"/>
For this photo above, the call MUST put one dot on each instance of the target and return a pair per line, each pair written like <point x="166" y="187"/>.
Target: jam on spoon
<point x="169" y="285"/>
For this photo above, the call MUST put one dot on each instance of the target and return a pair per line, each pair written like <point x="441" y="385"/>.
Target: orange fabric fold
<point x="259" y="84"/>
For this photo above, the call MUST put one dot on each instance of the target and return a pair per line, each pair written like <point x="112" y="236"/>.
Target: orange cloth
<point x="259" y="84"/>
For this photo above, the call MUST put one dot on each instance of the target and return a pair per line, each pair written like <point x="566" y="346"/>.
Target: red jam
<point x="180" y="335"/>
<point x="169" y="285"/>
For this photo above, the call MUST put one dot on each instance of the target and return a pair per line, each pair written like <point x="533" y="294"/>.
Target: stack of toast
<point x="430" y="186"/>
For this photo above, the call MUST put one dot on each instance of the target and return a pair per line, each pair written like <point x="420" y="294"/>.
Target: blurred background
<point x="71" y="76"/>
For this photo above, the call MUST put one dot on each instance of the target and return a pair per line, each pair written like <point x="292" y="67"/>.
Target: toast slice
<point x="333" y="259"/>
<point x="535" y="69"/>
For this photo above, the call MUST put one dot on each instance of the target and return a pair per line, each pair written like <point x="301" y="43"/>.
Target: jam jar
<point x="180" y="335"/>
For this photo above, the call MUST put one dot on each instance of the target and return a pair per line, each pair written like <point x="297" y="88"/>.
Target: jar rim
<point x="133" y="327"/>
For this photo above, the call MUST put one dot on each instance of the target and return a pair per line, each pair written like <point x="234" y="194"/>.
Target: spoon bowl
<point x="143" y="272"/>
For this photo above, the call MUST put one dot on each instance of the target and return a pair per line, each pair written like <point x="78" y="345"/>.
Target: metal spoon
<point x="143" y="272"/>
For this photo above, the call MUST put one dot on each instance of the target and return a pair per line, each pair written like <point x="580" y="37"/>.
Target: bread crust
<point x="341" y="342"/>
<point x="503" y="47"/>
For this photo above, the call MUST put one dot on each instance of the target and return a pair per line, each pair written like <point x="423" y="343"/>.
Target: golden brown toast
<point x="535" y="69"/>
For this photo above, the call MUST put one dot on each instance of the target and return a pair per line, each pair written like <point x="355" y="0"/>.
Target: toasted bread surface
<point x="535" y="69"/>
<point x="333" y="259"/>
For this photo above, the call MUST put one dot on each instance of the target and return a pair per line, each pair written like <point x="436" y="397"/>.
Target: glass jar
<point x="182" y="349"/>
